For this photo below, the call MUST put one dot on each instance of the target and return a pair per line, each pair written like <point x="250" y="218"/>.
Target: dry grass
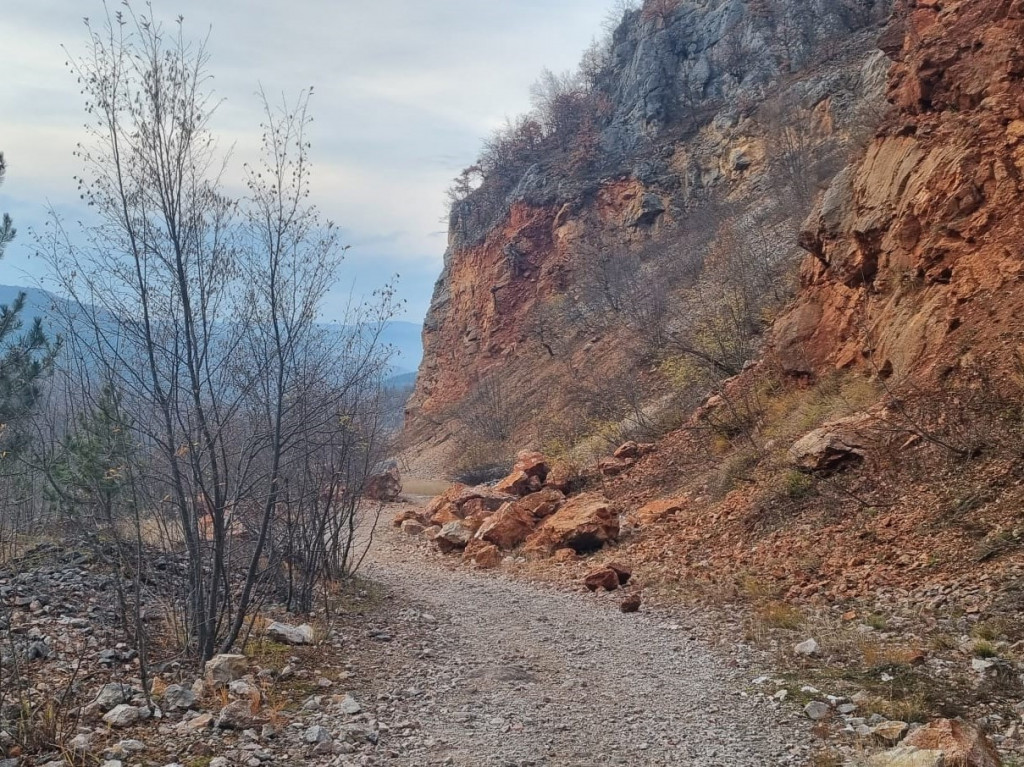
<point x="780" y="615"/>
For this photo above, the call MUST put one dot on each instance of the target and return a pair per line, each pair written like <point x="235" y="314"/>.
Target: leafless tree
<point x="201" y="312"/>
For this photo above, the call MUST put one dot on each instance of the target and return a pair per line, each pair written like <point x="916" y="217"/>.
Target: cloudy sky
<point x="405" y="91"/>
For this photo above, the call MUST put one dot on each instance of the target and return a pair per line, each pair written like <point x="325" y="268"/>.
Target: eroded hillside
<point x="621" y="251"/>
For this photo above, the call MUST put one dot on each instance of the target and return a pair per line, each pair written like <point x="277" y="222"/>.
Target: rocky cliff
<point x="916" y="251"/>
<point x="712" y="127"/>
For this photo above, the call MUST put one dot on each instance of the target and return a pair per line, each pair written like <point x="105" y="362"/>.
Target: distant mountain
<point x="403" y="336"/>
<point x="407" y="340"/>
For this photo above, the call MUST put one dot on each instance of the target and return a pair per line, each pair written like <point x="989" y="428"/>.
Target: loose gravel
<point x="511" y="673"/>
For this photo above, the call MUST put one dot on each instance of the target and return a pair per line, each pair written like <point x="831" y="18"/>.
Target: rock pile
<point x="528" y="510"/>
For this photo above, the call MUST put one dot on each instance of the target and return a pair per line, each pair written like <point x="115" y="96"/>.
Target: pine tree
<point x="24" y="357"/>
<point x="91" y="474"/>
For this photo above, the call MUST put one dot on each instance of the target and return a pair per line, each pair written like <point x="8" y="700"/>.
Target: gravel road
<point x="509" y="673"/>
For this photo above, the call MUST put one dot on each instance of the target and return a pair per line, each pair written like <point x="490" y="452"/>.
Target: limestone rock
<point x="223" y="669"/>
<point x="807" y="648"/>
<point x="113" y="694"/>
<point x="293" y="635"/>
<point x="178" y="698"/>
<point x="237" y="715"/>
<point x="889" y="732"/>
<point x="122" y="715"/>
<point x="453" y="535"/>
<point x="832" y="447"/>
<point x="816" y="710"/>
<point x="412" y="527"/>
<point x="908" y="756"/>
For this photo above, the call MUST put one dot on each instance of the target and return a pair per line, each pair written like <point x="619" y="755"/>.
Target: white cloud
<point x="405" y="92"/>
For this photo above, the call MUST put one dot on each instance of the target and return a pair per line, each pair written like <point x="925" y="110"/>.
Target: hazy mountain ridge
<point x="403" y="336"/>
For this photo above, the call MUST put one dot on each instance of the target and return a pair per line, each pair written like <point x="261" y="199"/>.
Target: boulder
<point x="630" y="604"/>
<point x="385" y="487"/>
<point x="453" y="535"/>
<point x="565" y="555"/>
<point x="816" y="710"/>
<point x="543" y="503"/>
<point x="449" y="512"/>
<point x="483" y="505"/>
<point x="517" y="483"/>
<point x="484" y="555"/>
<point x="585" y="523"/>
<point x="317" y="734"/>
<point x="412" y="527"/>
<point x="123" y="715"/>
<point x="114" y="694"/>
<point x="889" y="732"/>
<point x="178" y="698"/>
<point x="507" y="527"/>
<point x="656" y="511"/>
<point x="562" y="477"/>
<point x="222" y="670"/>
<point x="237" y="715"/>
<point x="460" y="501"/>
<point x="294" y="635"/>
<point x="602" y="578"/>
<point x="627" y="451"/>
<point x="960" y="743"/>
<point x="456" y="494"/>
<point x="807" y="648"/>
<point x="532" y="464"/>
<point x="622" y="572"/>
<point x="834" y="446"/>
<point x="415" y="515"/>
<point x="908" y="756"/>
<point x="613" y="467"/>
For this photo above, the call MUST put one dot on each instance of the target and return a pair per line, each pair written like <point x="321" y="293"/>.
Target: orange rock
<point x="585" y="523"/>
<point x="630" y="604"/>
<point x="627" y="451"/>
<point x="484" y="555"/>
<point x="602" y="578"/>
<point x="531" y="463"/>
<point x="565" y="555"/>
<point x="402" y="516"/>
<point x="562" y="477"/>
<point x="961" y="743"/>
<point x="621" y="571"/>
<point x="447" y="513"/>
<point x="507" y="527"/>
<point x="516" y="483"/>
<point x="451" y="495"/>
<point x="543" y="503"/>
<point x="656" y="511"/>
<point x="613" y="467"/>
<point x="483" y="505"/>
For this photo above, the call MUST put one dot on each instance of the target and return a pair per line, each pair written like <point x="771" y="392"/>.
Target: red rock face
<point x="916" y="251"/>
<point x="482" y="328"/>
<point x="584" y="524"/>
